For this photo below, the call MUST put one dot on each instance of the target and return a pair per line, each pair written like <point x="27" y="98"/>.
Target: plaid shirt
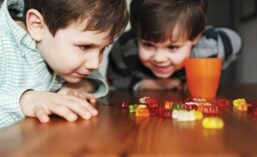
<point x="22" y="67"/>
<point x="125" y="71"/>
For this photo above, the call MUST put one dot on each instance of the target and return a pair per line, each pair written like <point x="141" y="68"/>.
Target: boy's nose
<point x="92" y="64"/>
<point x="159" y="56"/>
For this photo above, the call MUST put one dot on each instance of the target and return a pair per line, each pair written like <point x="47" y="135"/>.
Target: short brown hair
<point x="155" y="20"/>
<point x="102" y="15"/>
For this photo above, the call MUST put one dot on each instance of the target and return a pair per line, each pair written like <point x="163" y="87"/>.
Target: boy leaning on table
<point x="163" y="34"/>
<point x="50" y="52"/>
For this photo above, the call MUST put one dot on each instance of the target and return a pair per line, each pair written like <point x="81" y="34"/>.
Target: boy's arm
<point x="98" y="83"/>
<point x="219" y="42"/>
<point x="10" y="111"/>
<point x="93" y="84"/>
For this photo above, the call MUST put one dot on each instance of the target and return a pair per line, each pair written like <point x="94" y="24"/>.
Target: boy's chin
<point x="162" y="75"/>
<point x="73" y="79"/>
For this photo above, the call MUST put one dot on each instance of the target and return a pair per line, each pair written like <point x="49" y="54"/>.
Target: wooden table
<point x="115" y="132"/>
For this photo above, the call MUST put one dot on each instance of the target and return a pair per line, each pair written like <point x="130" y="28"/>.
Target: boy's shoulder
<point x="126" y="37"/>
<point x="126" y="44"/>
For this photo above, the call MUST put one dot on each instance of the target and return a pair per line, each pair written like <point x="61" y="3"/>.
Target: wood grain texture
<point x="116" y="132"/>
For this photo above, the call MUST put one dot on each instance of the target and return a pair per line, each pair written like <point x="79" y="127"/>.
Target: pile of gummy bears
<point x="190" y="109"/>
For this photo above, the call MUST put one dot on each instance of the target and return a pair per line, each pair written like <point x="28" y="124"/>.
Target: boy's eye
<point x="173" y="47"/>
<point x="84" y="47"/>
<point x="147" y="45"/>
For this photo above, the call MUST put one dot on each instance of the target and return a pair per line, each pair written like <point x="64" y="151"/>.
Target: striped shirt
<point x="125" y="70"/>
<point x="22" y="66"/>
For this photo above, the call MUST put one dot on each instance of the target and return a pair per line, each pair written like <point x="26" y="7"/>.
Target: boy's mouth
<point x="160" y="68"/>
<point x="79" y="75"/>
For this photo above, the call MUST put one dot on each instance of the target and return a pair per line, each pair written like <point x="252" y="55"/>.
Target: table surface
<point x="116" y="132"/>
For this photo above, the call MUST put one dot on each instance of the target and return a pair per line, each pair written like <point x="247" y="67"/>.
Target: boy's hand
<point x="160" y="84"/>
<point x="42" y="104"/>
<point x="80" y="90"/>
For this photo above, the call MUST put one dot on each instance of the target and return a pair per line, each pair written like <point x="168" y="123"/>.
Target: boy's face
<point x="164" y="58"/>
<point x="73" y="53"/>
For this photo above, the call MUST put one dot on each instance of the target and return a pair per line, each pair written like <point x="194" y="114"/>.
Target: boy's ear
<point x="35" y="24"/>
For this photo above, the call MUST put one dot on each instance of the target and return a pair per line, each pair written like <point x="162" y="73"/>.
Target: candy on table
<point x="203" y="104"/>
<point x="198" y="115"/>
<point x="191" y="103"/>
<point x="142" y="111"/>
<point x="175" y="114"/>
<point x="154" y="111"/>
<point x="188" y="99"/>
<point x="201" y="100"/>
<point x="150" y="102"/>
<point x="168" y="104"/>
<point x="200" y="109"/>
<point x="210" y="109"/>
<point x="125" y="104"/>
<point x="238" y="101"/>
<point x="213" y="123"/>
<point x="161" y="110"/>
<point x="189" y="107"/>
<point x="222" y="102"/>
<point x="142" y="100"/>
<point x="242" y="107"/>
<point x="166" y="113"/>
<point x="177" y="107"/>
<point x="132" y="108"/>
<point x="184" y="115"/>
<point x="206" y="104"/>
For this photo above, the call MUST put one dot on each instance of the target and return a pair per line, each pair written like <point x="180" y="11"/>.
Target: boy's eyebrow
<point x="146" y="41"/>
<point x="177" y="43"/>
<point x="93" y="44"/>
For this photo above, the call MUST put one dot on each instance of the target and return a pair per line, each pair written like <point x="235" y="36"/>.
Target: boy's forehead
<point x="169" y="39"/>
<point x="175" y="34"/>
<point x="82" y="25"/>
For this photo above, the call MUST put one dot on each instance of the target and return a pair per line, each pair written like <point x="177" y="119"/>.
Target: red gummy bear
<point x="125" y="104"/>
<point x="154" y="111"/>
<point x="165" y="113"/>
<point x="222" y="102"/>
<point x="151" y="102"/>
<point x="210" y="109"/>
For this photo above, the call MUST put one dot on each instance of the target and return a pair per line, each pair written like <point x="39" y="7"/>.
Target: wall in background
<point x="247" y="64"/>
<point x="221" y="14"/>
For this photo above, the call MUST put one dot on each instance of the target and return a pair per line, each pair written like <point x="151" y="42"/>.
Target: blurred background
<point x="240" y="15"/>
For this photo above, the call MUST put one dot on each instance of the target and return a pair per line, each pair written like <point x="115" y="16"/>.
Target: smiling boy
<point x="163" y="34"/>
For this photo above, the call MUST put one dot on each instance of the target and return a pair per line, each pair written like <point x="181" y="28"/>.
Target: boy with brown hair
<point x="164" y="33"/>
<point x="50" y="52"/>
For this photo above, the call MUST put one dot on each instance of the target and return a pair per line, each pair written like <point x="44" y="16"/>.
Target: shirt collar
<point x="20" y="36"/>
